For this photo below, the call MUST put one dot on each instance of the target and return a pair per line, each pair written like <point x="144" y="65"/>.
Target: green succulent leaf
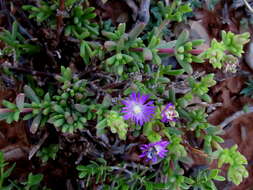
<point x="117" y="124"/>
<point x="29" y="92"/>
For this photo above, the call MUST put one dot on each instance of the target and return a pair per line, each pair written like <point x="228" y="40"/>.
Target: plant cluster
<point x="32" y="183"/>
<point x="226" y="53"/>
<point x="49" y="152"/>
<point x="16" y="43"/>
<point x="65" y="110"/>
<point x="146" y="103"/>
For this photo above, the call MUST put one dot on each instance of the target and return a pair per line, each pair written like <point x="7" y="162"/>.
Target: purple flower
<point x="169" y="113"/>
<point x="154" y="151"/>
<point x="138" y="108"/>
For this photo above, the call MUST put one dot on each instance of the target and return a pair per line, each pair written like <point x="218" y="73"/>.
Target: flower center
<point x="169" y="114"/>
<point x="152" y="152"/>
<point x="137" y="109"/>
<point x="158" y="148"/>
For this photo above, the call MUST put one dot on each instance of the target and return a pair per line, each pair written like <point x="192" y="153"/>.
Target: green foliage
<point x="16" y="43"/>
<point x="236" y="161"/>
<point x="121" y="43"/>
<point x="174" y="12"/>
<point x="89" y="50"/>
<point x="12" y="113"/>
<point x="138" y="87"/>
<point x="201" y="88"/>
<point x="108" y="26"/>
<point x="118" y="61"/>
<point x="43" y="12"/>
<point x="182" y="51"/>
<point x="78" y="22"/>
<point x="4" y="173"/>
<point x="248" y="91"/>
<point x="150" y="133"/>
<point x="65" y="110"/>
<point x="80" y="25"/>
<point x="204" y="179"/>
<point x="177" y="150"/>
<point x="144" y="181"/>
<point x="212" y="137"/>
<point x="98" y="171"/>
<point x="151" y="53"/>
<point x="116" y="124"/>
<point x="139" y="61"/>
<point x="234" y="43"/>
<point x="225" y="53"/>
<point x="176" y="178"/>
<point x="69" y="109"/>
<point x="198" y="88"/>
<point x="156" y="18"/>
<point x="161" y="15"/>
<point x="215" y="54"/>
<point x="198" y="123"/>
<point x="32" y="183"/>
<point x="49" y="152"/>
<point x="40" y="108"/>
<point x="69" y="104"/>
<point x="116" y="35"/>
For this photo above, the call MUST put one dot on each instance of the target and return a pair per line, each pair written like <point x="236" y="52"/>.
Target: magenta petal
<point x="138" y="108"/>
<point x="154" y="151"/>
<point x="127" y="116"/>
<point x="154" y="160"/>
<point x="169" y="113"/>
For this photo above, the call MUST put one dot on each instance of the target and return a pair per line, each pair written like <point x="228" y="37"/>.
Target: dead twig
<point x="37" y="146"/>
<point x="235" y="116"/>
<point x="144" y="14"/>
<point x="104" y="75"/>
<point x="248" y="5"/>
<point x="134" y="8"/>
<point x="114" y="85"/>
<point x="27" y="71"/>
<point x="14" y="152"/>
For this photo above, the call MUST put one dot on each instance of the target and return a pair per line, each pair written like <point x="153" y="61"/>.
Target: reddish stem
<point x="137" y="49"/>
<point x="5" y="110"/>
<point x="166" y="50"/>
<point x="60" y="23"/>
<point x="24" y="110"/>
<point x="197" y="51"/>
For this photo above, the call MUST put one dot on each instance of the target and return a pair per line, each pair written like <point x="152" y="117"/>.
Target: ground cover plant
<point x="113" y="104"/>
